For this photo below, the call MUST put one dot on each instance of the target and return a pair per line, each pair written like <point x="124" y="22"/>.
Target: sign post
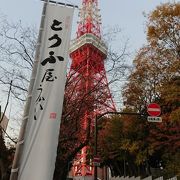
<point x="154" y="110"/>
<point x="96" y="161"/>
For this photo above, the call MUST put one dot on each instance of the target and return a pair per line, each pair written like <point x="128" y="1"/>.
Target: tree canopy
<point x="155" y="78"/>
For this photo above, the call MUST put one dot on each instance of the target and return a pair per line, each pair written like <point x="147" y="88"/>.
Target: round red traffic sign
<point x="154" y="109"/>
<point x="97" y="159"/>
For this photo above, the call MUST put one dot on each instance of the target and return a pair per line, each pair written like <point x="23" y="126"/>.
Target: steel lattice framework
<point x="88" y="76"/>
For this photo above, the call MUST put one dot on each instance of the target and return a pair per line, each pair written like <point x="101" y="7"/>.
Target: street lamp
<point x="96" y="132"/>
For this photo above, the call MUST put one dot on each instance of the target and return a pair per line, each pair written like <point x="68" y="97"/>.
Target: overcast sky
<point x="126" y="14"/>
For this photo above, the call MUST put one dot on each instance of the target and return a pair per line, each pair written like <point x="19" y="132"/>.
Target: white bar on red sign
<point x="154" y="109"/>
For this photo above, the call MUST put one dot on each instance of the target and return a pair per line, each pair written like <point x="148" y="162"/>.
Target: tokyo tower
<point x="87" y="78"/>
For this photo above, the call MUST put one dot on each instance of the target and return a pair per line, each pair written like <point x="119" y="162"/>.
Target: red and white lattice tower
<point x="88" y="76"/>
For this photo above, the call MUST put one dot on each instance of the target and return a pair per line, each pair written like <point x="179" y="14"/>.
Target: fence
<point x="139" y="178"/>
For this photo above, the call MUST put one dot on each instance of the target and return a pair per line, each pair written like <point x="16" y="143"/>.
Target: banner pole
<point x="64" y="4"/>
<point x="19" y="145"/>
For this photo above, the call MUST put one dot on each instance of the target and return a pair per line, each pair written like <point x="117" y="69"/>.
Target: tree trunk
<point x="2" y="170"/>
<point x="61" y="172"/>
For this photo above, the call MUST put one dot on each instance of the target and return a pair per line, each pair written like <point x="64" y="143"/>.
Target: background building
<point x="3" y="122"/>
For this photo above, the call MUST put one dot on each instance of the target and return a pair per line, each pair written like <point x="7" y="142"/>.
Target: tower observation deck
<point x="87" y="80"/>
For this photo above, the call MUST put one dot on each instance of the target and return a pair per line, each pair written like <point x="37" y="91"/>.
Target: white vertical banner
<point x="41" y="136"/>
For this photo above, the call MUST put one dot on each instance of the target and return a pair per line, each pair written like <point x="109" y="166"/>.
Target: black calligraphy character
<point x="38" y="101"/>
<point x="58" y="41"/>
<point x="55" y="24"/>
<point x="40" y="98"/>
<point x="51" y="59"/>
<point x="48" y="76"/>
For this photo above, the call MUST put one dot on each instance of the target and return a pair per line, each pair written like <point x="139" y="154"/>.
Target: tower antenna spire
<point x="89" y="18"/>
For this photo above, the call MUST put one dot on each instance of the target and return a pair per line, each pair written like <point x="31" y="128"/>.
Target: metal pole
<point x="9" y="92"/>
<point x="124" y="164"/>
<point x="95" y="148"/>
<point x="19" y="145"/>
